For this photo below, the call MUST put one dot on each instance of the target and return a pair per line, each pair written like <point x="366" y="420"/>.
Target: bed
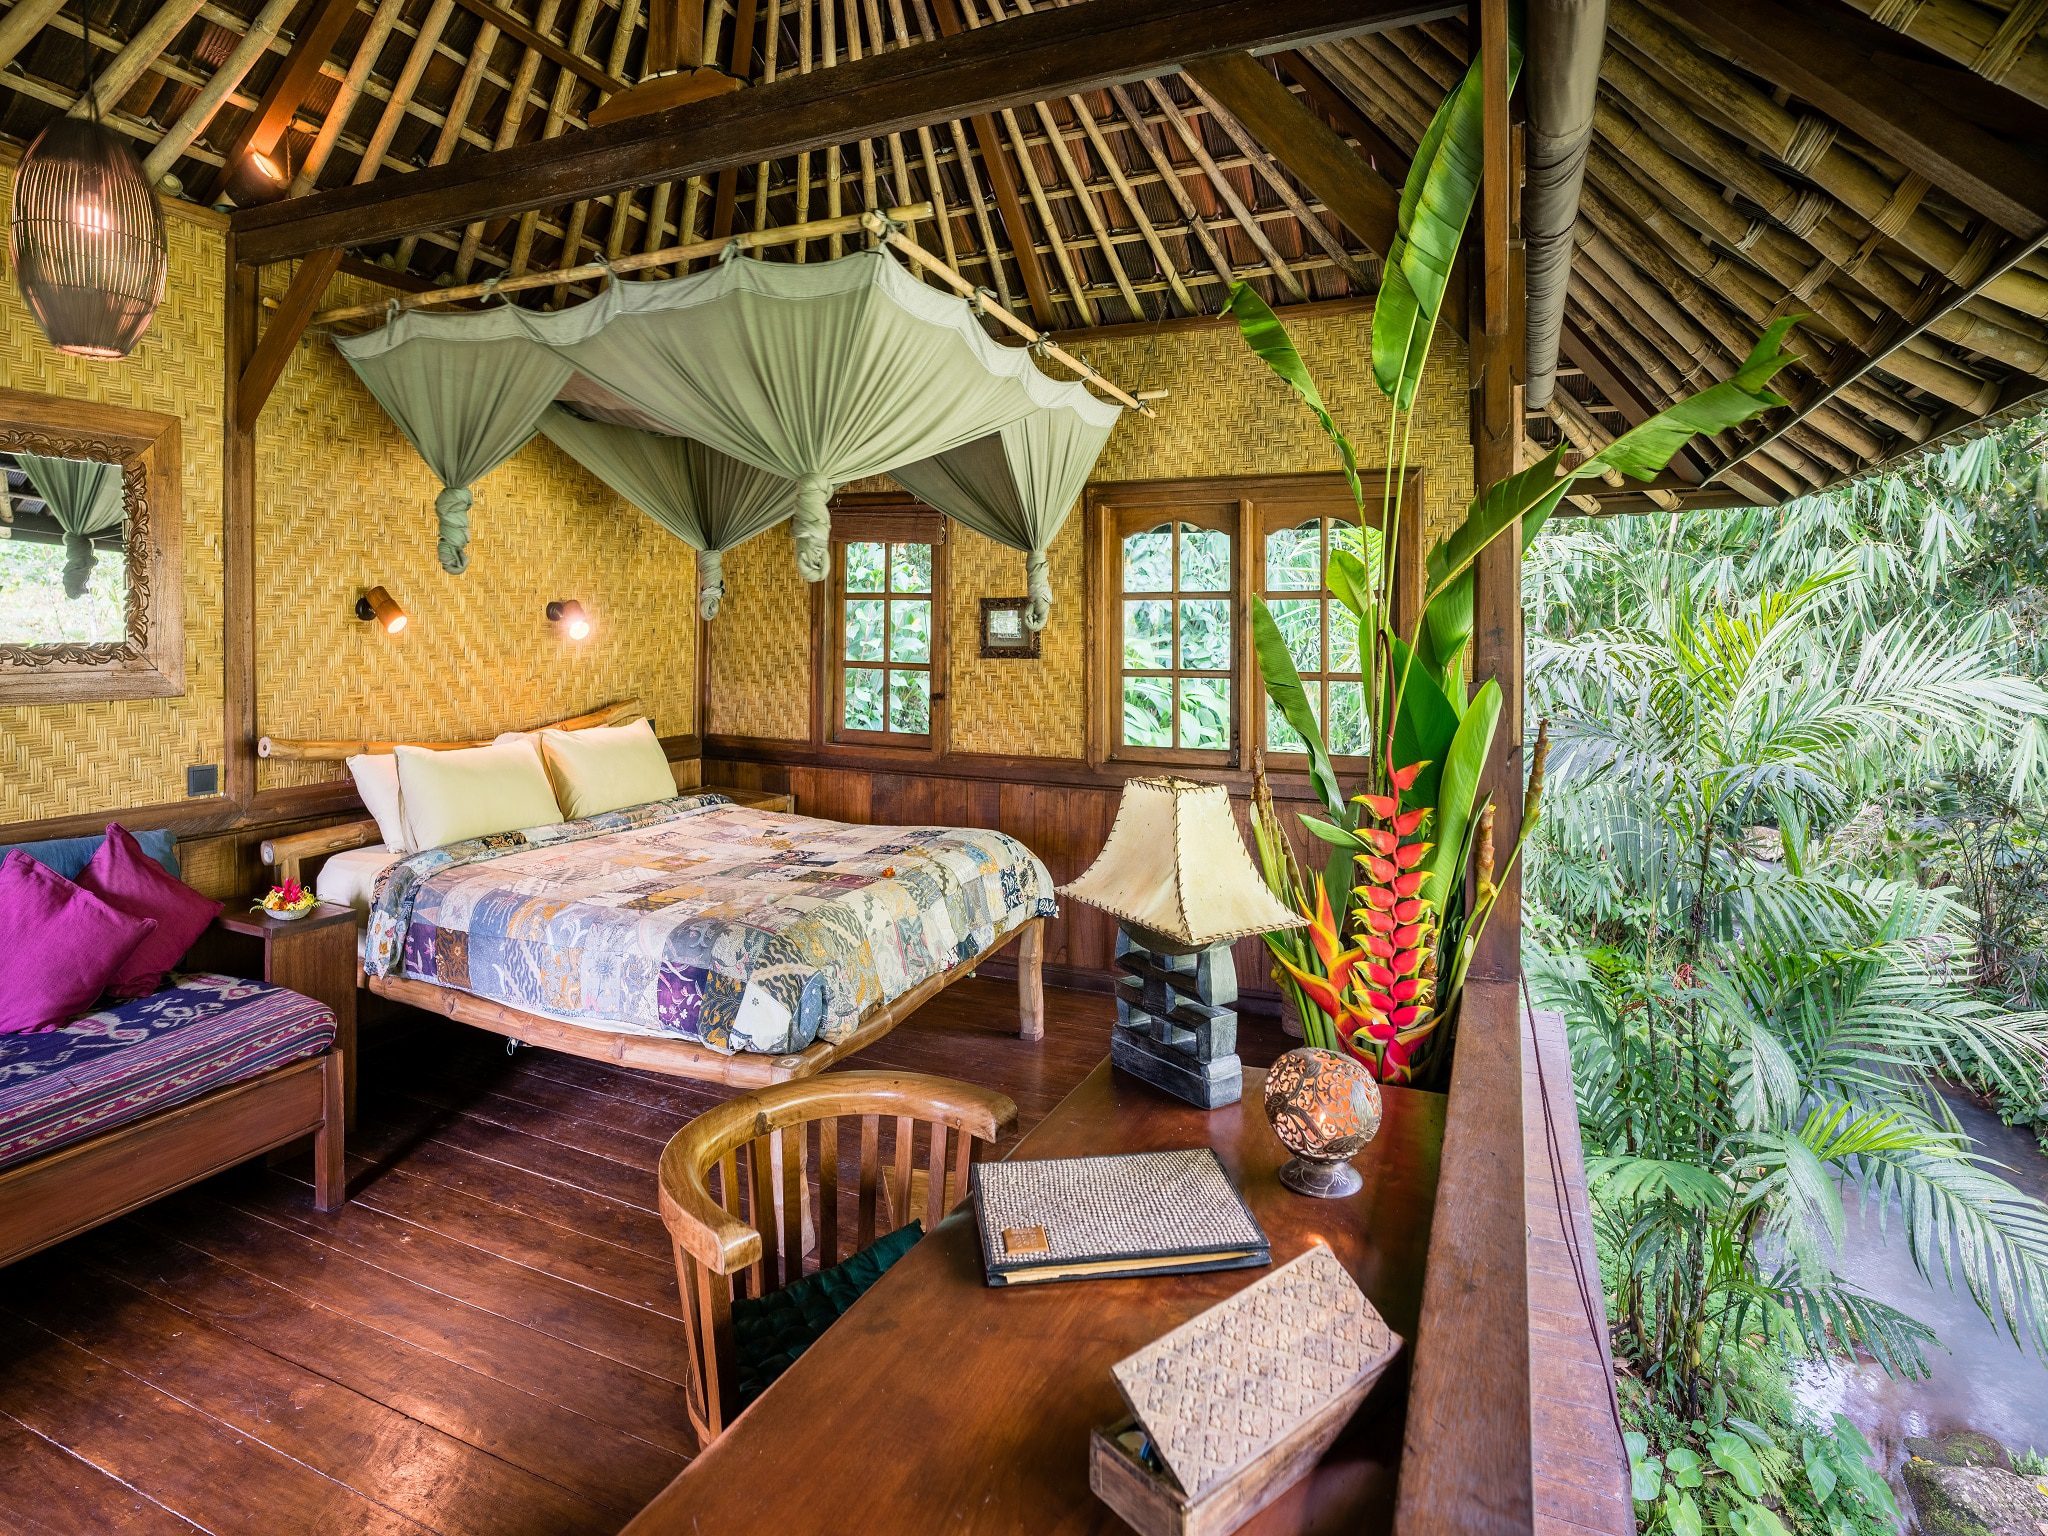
<point x="692" y="936"/>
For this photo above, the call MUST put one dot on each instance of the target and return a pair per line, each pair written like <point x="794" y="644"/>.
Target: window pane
<point x="864" y="698"/>
<point x="1343" y="639"/>
<point x="864" y="629"/>
<point x="1280" y="736"/>
<point x="1204" y="559"/>
<point x="1294" y="559"/>
<point x="1300" y="622"/>
<point x="910" y="702"/>
<point x="864" y="567"/>
<point x="1148" y="633"/>
<point x="910" y="567"/>
<point x="910" y="631"/>
<point x="1205" y="712"/>
<point x="1148" y="712"/>
<point x="1347" y="718"/>
<point x="1205" y="635"/>
<point x="1148" y="561"/>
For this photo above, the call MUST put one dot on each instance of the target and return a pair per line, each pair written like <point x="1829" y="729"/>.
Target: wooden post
<point x="1466" y="1463"/>
<point x="238" y="539"/>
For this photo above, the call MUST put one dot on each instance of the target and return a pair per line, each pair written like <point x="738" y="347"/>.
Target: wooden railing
<point x="1511" y="1426"/>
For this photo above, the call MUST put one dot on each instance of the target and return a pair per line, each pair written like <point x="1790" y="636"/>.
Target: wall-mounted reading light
<point x="569" y="614"/>
<point x="379" y="605"/>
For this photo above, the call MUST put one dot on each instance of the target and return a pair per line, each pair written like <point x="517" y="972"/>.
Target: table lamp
<point x="1176" y="877"/>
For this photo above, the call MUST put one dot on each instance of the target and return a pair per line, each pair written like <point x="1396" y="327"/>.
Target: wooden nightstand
<point x="314" y="955"/>
<point x="754" y="799"/>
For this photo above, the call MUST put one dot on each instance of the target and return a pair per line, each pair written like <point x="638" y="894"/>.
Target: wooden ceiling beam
<point x="520" y="32"/>
<point x="285" y="94"/>
<point x="295" y="310"/>
<point x="1025" y="59"/>
<point x="1003" y="183"/>
<point x="1829" y="61"/>
<point x="1328" y="98"/>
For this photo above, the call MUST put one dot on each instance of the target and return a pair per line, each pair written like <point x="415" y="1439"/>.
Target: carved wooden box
<point x="1237" y="1404"/>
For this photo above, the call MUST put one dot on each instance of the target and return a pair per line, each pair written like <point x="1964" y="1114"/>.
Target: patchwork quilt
<point x="199" y="1033"/>
<point x="701" y="920"/>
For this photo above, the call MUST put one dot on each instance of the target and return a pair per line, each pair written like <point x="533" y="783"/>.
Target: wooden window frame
<point x="883" y="519"/>
<point x="1248" y="505"/>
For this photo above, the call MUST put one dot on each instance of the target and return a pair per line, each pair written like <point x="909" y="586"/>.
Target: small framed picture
<point x="1003" y="630"/>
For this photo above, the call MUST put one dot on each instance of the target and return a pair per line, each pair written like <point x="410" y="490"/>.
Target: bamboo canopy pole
<point x="670" y="256"/>
<point x="311" y="750"/>
<point x="884" y="230"/>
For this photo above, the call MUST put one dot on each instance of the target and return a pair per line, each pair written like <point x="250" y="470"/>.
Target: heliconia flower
<point x="1403" y="1017"/>
<point x="1378" y="922"/>
<point x="1407" y="937"/>
<point x="1403" y="779"/>
<point x="1406" y="823"/>
<point x="1410" y="883"/>
<point x="1381" y="840"/>
<point x="1380" y="869"/>
<point x="1382" y="806"/>
<point x="1412" y="854"/>
<point x="1382" y="948"/>
<point x="1404" y="990"/>
<point x="1379" y="975"/>
<point x="1409" y="911"/>
<point x="1379" y="898"/>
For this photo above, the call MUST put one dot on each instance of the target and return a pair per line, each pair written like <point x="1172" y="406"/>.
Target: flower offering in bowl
<point x="287" y="900"/>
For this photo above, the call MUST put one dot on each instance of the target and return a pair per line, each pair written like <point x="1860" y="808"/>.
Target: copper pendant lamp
<point x="87" y="237"/>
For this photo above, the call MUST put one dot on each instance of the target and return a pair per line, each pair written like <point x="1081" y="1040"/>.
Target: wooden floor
<point x="484" y="1340"/>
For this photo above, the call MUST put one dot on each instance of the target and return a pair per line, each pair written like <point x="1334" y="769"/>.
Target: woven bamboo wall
<point x="1226" y="416"/>
<point x="343" y="502"/>
<point x="64" y="759"/>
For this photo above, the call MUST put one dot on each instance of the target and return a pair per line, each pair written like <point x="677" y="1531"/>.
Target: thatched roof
<point x="1728" y="182"/>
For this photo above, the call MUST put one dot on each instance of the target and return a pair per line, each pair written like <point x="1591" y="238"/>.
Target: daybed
<point x="135" y="1101"/>
<point x="691" y="936"/>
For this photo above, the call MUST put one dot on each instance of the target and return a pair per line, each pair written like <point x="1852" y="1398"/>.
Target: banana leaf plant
<point x="1393" y="920"/>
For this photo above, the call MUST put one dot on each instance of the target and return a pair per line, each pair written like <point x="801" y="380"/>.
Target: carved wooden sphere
<point x="1324" y="1108"/>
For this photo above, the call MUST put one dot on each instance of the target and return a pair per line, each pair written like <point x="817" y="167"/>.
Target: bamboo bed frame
<point x="290" y="854"/>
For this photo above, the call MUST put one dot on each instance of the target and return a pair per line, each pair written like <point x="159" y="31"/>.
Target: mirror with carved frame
<point x="91" y="586"/>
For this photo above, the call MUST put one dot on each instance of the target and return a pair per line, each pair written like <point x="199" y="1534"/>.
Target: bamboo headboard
<point x="307" y="749"/>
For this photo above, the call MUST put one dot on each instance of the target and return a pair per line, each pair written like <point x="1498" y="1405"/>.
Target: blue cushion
<point x="68" y="856"/>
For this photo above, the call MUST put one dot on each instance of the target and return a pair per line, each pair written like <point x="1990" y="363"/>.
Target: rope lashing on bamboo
<point x="1904" y="203"/>
<point x="813" y="525"/>
<point x="1808" y="209"/>
<point x="2009" y="43"/>
<point x="1899" y="15"/>
<point x="1751" y="235"/>
<point x="1812" y="137"/>
<point x="1812" y="280"/>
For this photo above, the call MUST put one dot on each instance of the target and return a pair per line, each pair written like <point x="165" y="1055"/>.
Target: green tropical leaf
<point x="1735" y="1456"/>
<point x="1436" y="205"/>
<point x="1270" y="343"/>
<point x="1531" y="492"/>
<point x="1684" y="1466"/>
<point x="1283" y="686"/>
<point x="1458" y="793"/>
<point x="1424" y="726"/>
<point x="1329" y="832"/>
<point x="1352" y="585"/>
<point x="1682" y="1513"/>
<point x="1643" y="451"/>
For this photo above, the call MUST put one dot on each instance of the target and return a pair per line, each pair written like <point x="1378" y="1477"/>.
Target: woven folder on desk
<point x="1076" y="1218"/>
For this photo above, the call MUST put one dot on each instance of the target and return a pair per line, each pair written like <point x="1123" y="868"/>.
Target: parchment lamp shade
<point x="1176" y="867"/>
<point x="1176" y="877"/>
<point x="87" y="238"/>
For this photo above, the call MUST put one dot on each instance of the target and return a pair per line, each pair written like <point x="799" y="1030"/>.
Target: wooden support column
<point x="266" y="362"/>
<point x="1467" y="1463"/>
<point x="238" y="540"/>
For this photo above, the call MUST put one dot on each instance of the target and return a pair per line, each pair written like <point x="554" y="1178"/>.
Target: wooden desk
<point x="940" y="1404"/>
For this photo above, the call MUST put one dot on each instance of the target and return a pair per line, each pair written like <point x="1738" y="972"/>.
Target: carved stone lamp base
<point x="1325" y="1181"/>
<point x="1176" y="1018"/>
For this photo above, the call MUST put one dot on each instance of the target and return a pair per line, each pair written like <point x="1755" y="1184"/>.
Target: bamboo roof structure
<point x="1879" y="168"/>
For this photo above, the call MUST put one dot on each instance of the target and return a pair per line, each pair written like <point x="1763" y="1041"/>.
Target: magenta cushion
<point x="132" y="883"/>
<point x="63" y="946"/>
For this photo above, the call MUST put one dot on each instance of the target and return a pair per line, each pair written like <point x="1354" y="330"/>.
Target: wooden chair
<point x="745" y="1235"/>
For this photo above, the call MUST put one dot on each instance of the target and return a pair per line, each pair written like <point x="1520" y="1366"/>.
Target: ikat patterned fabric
<point x="701" y="920"/>
<point x="107" y="1069"/>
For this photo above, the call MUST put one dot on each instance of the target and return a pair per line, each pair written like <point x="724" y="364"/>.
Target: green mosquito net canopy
<point x="723" y="402"/>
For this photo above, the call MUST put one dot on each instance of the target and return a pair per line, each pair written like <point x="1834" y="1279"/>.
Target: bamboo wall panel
<point x="343" y="502"/>
<point x="58" y="760"/>
<point x="1226" y="416"/>
<point x="761" y="643"/>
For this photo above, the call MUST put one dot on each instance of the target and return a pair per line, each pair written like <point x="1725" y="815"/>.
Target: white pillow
<point x="607" y="768"/>
<point x="473" y="792"/>
<point x="376" y="776"/>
